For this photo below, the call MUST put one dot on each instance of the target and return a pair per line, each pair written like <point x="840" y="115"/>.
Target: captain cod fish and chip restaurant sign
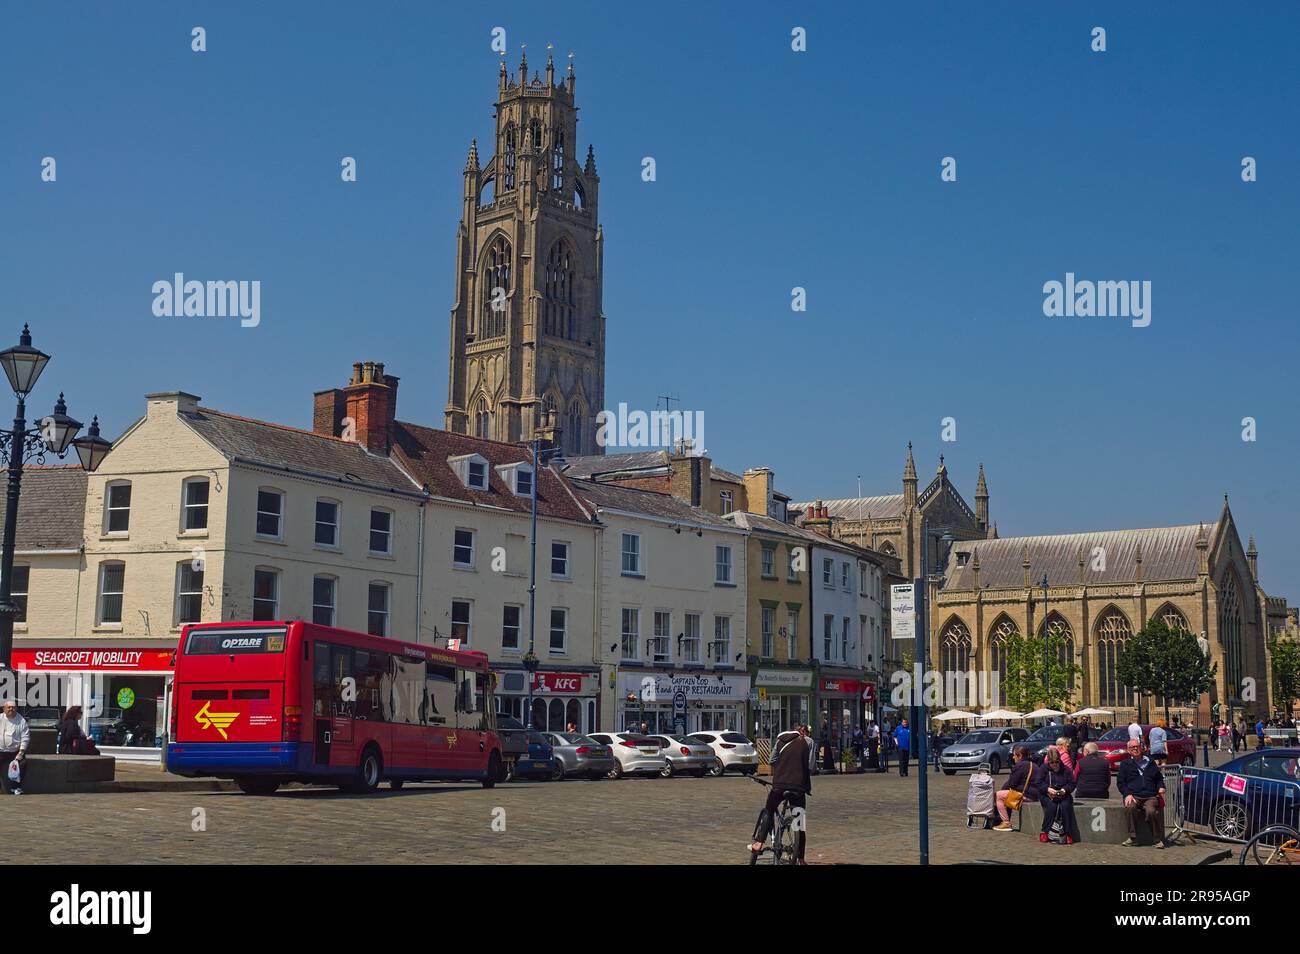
<point x="698" y="688"/>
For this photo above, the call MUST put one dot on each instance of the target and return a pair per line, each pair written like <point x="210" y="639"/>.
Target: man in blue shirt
<point x="903" y="736"/>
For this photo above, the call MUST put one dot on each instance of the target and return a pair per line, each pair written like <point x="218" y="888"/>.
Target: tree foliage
<point x="1286" y="672"/>
<point x="1160" y="660"/>
<point x="1026" y="687"/>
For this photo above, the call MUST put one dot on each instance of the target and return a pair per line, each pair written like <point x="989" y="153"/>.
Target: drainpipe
<point x="419" y="572"/>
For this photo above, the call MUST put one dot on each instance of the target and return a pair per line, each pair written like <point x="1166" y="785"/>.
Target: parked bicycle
<point x="1277" y="845"/>
<point x="780" y="845"/>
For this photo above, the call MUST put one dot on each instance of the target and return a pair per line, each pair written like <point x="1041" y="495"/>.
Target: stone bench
<point x="49" y="774"/>
<point x="1091" y="813"/>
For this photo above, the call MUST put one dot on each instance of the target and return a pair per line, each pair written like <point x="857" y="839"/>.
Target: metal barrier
<point x="1225" y="806"/>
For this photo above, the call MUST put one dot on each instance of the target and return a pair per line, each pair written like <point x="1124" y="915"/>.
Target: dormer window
<point x="518" y="477"/>
<point x="471" y="469"/>
<point x="962" y="558"/>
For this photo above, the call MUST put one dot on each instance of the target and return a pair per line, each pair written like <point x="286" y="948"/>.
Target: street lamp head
<point x="59" y="429"/>
<point x="92" y="449"/>
<point x="23" y="364"/>
<point x="948" y="538"/>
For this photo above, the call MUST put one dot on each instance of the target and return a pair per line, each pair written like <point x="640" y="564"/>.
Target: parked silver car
<point x="982" y="745"/>
<point x="580" y="755"/>
<point x="634" y="753"/>
<point x="685" y="755"/>
<point x="731" y="750"/>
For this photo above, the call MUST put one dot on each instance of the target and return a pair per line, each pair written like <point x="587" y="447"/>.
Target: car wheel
<point x="396" y="784"/>
<point x="949" y="771"/>
<point x="616" y="771"/>
<point x="717" y="769"/>
<point x="1230" y="820"/>
<point x="666" y="771"/>
<point x="493" y="771"/>
<point x="253" y="785"/>
<point x="557" y="771"/>
<point x="995" y="765"/>
<point x="369" y="771"/>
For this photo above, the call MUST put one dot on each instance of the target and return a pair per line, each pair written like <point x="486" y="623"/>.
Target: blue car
<point x="1246" y="795"/>
<point x="540" y="761"/>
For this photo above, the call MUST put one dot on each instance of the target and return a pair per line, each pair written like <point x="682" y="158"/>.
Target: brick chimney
<point x="690" y="474"/>
<point x="818" y="520"/>
<point x="758" y="490"/>
<point x="369" y="401"/>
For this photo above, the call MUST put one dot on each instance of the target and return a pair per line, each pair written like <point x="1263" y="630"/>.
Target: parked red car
<point x="1114" y="746"/>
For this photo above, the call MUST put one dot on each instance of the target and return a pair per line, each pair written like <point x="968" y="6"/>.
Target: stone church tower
<point x="527" y="350"/>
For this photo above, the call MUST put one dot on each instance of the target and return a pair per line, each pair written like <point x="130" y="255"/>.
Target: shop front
<point x="559" y="697"/>
<point x="840" y="702"/>
<point x="124" y="693"/>
<point x="782" y="700"/>
<point x="681" y="701"/>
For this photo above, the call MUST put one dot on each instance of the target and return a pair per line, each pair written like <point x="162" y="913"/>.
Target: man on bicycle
<point x="790" y="774"/>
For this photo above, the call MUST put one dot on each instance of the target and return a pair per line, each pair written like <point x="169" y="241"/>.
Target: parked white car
<point x="732" y="751"/>
<point x="636" y="754"/>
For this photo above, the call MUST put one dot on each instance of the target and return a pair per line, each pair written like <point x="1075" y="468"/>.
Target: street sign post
<point x="902" y="611"/>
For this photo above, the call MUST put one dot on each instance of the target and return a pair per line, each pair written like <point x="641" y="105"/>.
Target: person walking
<point x="1142" y="784"/>
<point x="873" y="746"/>
<point x="903" y="739"/>
<point x="1159" y="742"/>
<point x="824" y="747"/>
<point x="1221" y="737"/>
<point x="14" y="738"/>
<point x="71" y="739"/>
<point x="1135" y="730"/>
<point x="1259" y="735"/>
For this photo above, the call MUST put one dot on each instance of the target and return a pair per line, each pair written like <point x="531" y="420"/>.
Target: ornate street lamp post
<point x="541" y="457"/>
<point x="56" y="435"/>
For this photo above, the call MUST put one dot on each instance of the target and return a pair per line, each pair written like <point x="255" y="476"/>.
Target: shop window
<point x="112" y="583"/>
<point x="117" y="507"/>
<point x="195" y="504"/>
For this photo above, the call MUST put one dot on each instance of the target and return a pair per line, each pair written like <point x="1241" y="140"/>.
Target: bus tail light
<point x="292" y="723"/>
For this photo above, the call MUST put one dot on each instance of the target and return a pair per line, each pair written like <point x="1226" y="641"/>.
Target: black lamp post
<point x="56" y="434"/>
<point x="541" y="457"/>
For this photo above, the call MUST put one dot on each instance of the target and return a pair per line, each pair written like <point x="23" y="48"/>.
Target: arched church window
<point x="496" y="289"/>
<point x="535" y="135"/>
<point x="575" y="428"/>
<point x="1230" y="631"/>
<point x="557" y="163"/>
<point x="1112" y="632"/>
<point x="509" y="159"/>
<point x="1059" y="631"/>
<point x="1003" y="630"/>
<point x="482" y="420"/>
<point x="558" y="303"/>
<point x="954" y="648"/>
<point x="579" y="196"/>
<point x="548" y="408"/>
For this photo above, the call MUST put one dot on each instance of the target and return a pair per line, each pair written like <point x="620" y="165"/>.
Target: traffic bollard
<point x="1205" y="752"/>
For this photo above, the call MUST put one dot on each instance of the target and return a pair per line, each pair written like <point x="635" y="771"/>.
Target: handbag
<point x="1014" y="798"/>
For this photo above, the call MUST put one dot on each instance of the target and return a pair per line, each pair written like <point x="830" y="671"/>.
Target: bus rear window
<point x="221" y="643"/>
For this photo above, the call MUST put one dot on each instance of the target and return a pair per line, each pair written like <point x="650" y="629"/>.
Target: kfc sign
<point x="559" y="683"/>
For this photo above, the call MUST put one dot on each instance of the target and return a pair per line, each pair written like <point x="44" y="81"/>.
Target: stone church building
<point x="527" y="353"/>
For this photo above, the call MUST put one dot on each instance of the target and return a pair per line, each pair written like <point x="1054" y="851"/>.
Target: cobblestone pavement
<point x="867" y="818"/>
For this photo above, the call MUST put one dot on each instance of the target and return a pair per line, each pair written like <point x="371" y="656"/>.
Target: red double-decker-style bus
<point x="272" y="702"/>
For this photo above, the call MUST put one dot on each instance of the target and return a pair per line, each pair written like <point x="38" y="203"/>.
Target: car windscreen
<point x="1117" y="734"/>
<point x="1045" y="733"/>
<point x="987" y="735"/>
<point x="222" y="642"/>
<point x="735" y="738"/>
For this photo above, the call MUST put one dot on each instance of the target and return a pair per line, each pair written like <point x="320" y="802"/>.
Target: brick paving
<point x="852" y="819"/>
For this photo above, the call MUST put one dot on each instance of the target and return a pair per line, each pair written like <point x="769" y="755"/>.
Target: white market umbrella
<point x="955" y="715"/>
<point x="1094" y="712"/>
<point x="1044" y="713"/>
<point x="1001" y="714"/>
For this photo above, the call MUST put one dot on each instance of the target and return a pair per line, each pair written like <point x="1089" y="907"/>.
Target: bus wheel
<point x="493" y="771"/>
<point x="369" y="771"/>
<point x="253" y="785"/>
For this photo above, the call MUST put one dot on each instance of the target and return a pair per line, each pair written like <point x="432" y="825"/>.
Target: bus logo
<point x="220" y="721"/>
<point x="451" y="741"/>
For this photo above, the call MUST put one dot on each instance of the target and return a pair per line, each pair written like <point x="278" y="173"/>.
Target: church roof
<point x="854" y="508"/>
<point x="1168" y="553"/>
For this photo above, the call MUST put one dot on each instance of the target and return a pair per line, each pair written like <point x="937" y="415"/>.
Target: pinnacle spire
<point x="909" y="470"/>
<point x="471" y="162"/>
<point x="981" y="487"/>
<point x="590" y="167"/>
<point x="1250" y="550"/>
<point x="942" y="469"/>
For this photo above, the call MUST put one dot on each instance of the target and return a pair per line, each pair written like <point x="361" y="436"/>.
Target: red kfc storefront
<point x="124" y="692"/>
<point x="559" y="697"/>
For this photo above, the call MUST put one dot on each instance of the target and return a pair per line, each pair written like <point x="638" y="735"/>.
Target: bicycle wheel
<point x="1278" y="845"/>
<point x="783" y="846"/>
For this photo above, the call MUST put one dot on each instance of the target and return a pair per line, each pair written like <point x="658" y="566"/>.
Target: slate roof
<point x="854" y="508"/>
<point x="52" y="509"/>
<point x="1168" y="553"/>
<point x="593" y="465"/>
<point x="648" y="502"/>
<point x="765" y="524"/>
<point x="288" y="448"/>
<point x="424" y="452"/>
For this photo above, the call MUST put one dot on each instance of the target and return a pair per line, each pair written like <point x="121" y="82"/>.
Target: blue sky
<point x="775" y="169"/>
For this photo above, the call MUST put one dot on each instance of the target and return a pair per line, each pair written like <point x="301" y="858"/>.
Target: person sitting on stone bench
<point x="1142" y="783"/>
<point x="1092" y="774"/>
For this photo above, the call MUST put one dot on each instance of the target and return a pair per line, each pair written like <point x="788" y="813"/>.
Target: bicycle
<point x="1276" y="845"/>
<point x="780" y="844"/>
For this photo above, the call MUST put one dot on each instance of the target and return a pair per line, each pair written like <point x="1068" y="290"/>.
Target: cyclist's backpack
<point x="979" y="799"/>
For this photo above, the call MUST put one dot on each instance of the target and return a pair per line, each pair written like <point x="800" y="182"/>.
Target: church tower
<point x="527" y="349"/>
